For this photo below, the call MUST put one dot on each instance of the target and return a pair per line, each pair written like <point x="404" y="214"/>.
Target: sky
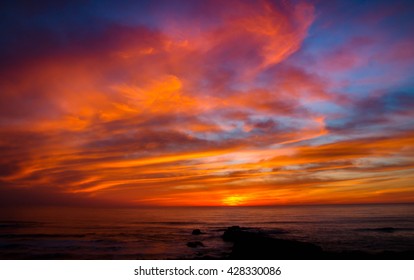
<point x="206" y="103"/>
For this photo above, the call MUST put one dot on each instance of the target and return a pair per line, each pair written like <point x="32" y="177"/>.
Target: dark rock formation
<point x="195" y="244"/>
<point x="250" y="244"/>
<point x="196" y="232"/>
<point x="254" y="244"/>
<point x="384" y="229"/>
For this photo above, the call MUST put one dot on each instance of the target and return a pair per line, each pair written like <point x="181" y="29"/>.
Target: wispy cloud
<point x="206" y="103"/>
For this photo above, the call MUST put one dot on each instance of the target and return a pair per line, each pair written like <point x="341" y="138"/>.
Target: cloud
<point x="198" y="103"/>
<point x="389" y="111"/>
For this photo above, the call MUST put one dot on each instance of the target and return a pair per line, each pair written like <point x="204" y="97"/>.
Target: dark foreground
<point x="282" y="232"/>
<point x="253" y="244"/>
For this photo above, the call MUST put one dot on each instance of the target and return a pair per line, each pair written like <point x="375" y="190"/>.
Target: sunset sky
<point x="206" y="102"/>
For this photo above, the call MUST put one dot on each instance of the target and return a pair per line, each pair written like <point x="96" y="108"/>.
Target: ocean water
<point x="163" y="233"/>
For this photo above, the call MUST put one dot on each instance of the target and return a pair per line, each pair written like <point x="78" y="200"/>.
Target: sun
<point x="234" y="200"/>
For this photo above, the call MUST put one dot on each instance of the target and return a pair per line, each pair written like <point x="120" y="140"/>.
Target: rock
<point x="386" y="229"/>
<point x="195" y="244"/>
<point x="196" y="232"/>
<point x="233" y="233"/>
<point x="234" y="228"/>
<point x="383" y="229"/>
<point x="250" y="244"/>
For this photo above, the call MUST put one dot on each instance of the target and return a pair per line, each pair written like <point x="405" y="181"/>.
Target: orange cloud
<point x="195" y="111"/>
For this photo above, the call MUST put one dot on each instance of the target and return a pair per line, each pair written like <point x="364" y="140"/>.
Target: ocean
<point x="163" y="232"/>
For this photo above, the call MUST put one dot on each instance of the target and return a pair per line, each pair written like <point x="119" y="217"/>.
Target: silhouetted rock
<point x="385" y="229"/>
<point x="234" y="232"/>
<point x="250" y="244"/>
<point x="195" y="244"/>
<point x="234" y="228"/>
<point x="276" y="231"/>
<point x="389" y="255"/>
<point x="196" y="232"/>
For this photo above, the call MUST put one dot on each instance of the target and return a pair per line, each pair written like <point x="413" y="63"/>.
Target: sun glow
<point x="234" y="200"/>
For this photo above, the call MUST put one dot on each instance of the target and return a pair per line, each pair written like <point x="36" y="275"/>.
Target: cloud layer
<point x="206" y="103"/>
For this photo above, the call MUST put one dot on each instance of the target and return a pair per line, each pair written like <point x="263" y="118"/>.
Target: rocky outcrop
<point x="196" y="232"/>
<point x="195" y="244"/>
<point x="253" y="244"/>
